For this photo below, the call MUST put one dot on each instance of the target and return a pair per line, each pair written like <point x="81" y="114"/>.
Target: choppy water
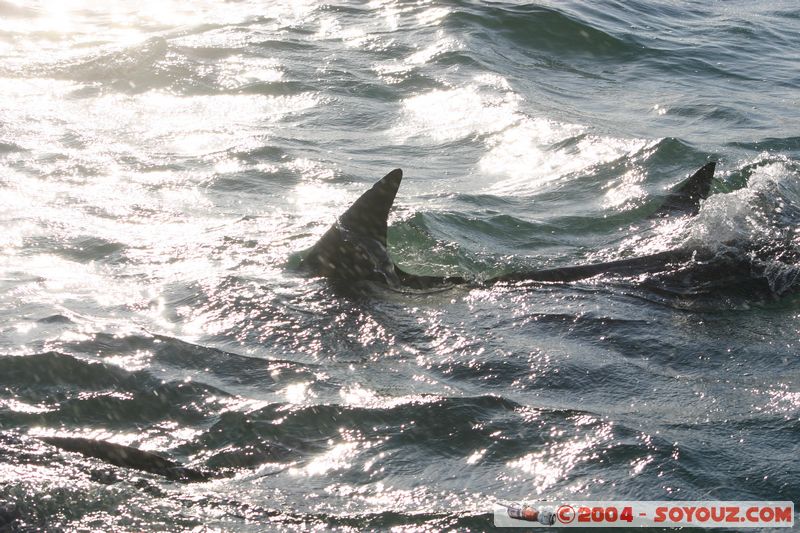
<point x="162" y="162"/>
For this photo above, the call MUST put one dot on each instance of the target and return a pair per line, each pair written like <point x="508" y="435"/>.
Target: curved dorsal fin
<point x="355" y="247"/>
<point x="368" y="215"/>
<point x="687" y="196"/>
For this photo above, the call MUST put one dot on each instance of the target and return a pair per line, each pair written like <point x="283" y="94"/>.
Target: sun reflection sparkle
<point x="553" y="464"/>
<point x="340" y="456"/>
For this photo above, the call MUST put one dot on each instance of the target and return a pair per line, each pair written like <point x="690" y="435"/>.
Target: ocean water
<point x="163" y="163"/>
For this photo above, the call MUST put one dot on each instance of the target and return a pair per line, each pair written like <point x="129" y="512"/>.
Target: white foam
<point x="524" y="159"/>
<point x="748" y="213"/>
<point x="519" y="148"/>
<point x="454" y="114"/>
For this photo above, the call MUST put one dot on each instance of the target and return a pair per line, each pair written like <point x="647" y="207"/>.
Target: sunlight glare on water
<point x="439" y="115"/>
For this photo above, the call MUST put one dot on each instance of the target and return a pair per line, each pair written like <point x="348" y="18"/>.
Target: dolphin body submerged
<point x="129" y="457"/>
<point x="354" y="248"/>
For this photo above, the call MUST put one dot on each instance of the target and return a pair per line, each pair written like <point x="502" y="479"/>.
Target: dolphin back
<point x="128" y="457"/>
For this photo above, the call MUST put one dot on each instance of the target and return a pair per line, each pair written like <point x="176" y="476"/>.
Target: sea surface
<point x="164" y="163"/>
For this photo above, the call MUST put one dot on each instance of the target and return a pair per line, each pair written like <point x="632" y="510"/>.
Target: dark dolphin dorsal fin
<point x="687" y="196"/>
<point x="355" y="247"/>
<point x="369" y="214"/>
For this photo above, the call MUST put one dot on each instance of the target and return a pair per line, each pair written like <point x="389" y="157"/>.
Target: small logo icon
<point x="566" y="514"/>
<point x="530" y="514"/>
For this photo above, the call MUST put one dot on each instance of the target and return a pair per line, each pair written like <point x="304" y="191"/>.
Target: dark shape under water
<point x="9" y="513"/>
<point x="129" y="457"/>
<point x="354" y="248"/>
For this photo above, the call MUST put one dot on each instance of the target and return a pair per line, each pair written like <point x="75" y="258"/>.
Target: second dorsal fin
<point x="686" y="198"/>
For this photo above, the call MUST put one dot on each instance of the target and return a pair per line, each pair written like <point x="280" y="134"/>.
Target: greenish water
<point x="161" y="165"/>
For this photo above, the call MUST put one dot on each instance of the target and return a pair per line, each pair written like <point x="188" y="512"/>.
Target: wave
<point x="8" y="147"/>
<point x="776" y="145"/>
<point x="421" y="425"/>
<point x="159" y="63"/>
<point x="9" y="9"/>
<point x="538" y="29"/>
<point x="61" y="389"/>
